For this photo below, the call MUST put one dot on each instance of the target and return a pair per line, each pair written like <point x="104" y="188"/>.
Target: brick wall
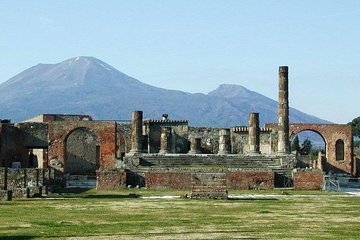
<point x="305" y="179"/>
<point x="110" y="179"/>
<point x="251" y="180"/>
<point x="175" y="180"/>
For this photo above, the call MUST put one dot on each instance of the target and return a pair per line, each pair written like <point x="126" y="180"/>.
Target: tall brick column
<point x="195" y="146"/>
<point x="165" y="140"/>
<point x="136" y="132"/>
<point x="224" y="141"/>
<point x="254" y="133"/>
<point x="283" y="114"/>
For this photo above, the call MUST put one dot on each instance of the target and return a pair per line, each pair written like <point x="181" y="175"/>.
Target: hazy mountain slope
<point x="86" y="85"/>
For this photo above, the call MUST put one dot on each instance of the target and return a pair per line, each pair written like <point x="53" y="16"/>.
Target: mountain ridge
<point x="87" y="85"/>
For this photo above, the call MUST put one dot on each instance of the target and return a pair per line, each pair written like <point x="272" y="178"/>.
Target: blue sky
<point x="196" y="45"/>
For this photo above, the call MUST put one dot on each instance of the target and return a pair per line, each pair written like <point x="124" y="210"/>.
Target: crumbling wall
<point x="12" y="146"/>
<point x="308" y="179"/>
<point x="251" y="179"/>
<point x="59" y="131"/>
<point x="179" y="135"/>
<point x="209" y="184"/>
<point x="82" y="152"/>
<point x="110" y="179"/>
<point x="240" y="138"/>
<point x="123" y="139"/>
<point x="209" y="138"/>
<point x="35" y="134"/>
<point x="331" y="133"/>
<point x="26" y="182"/>
<point x="174" y="180"/>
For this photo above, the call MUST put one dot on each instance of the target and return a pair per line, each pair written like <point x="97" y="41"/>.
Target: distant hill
<point x="86" y="85"/>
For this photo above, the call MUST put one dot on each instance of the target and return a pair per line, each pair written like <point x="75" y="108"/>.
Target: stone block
<point x="35" y="191"/>
<point x="3" y="178"/>
<point x="15" y="178"/>
<point x="5" y="195"/>
<point x="21" y="193"/>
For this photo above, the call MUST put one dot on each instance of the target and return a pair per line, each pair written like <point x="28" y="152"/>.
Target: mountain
<point x="86" y="85"/>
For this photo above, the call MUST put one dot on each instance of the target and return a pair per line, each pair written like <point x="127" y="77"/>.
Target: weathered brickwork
<point x="330" y="133"/>
<point x="105" y="131"/>
<point x="208" y="184"/>
<point x="110" y="179"/>
<point x="174" y="180"/>
<point x="308" y="179"/>
<point x="251" y="180"/>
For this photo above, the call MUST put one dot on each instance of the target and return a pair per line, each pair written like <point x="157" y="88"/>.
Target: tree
<point x="306" y="147"/>
<point x="355" y="123"/>
<point x="295" y="146"/>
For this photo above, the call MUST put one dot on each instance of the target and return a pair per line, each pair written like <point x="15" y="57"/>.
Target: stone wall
<point x="110" y="179"/>
<point x="35" y="134"/>
<point x="251" y="179"/>
<point x="174" y="180"/>
<point x="12" y="146"/>
<point x="123" y="139"/>
<point x="209" y="138"/>
<point x="26" y="182"/>
<point x="308" y="179"/>
<point x="239" y="141"/>
<point x="178" y="139"/>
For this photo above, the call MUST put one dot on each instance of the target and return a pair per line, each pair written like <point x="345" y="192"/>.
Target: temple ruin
<point x="168" y="153"/>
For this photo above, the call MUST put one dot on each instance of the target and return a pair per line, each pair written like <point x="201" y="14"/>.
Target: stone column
<point x="283" y="114"/>
<point x="254" y="133"/>
<point x="224" y="141"/>
<point x="136" y="132"/>
<point x="165" y="140"/>
<point x="195" y="146"/>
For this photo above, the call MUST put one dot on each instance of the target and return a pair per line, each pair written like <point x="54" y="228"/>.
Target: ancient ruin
<point x="166" y="153"/>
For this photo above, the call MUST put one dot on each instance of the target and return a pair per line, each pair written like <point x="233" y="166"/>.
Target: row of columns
<point x="195" y="143"/>
<point x="224" y="134"/>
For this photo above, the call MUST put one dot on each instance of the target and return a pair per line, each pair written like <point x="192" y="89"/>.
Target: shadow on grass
<point x="116" y="196"/>
<point x="17" y="237"/>
<point x="253" y="199"/>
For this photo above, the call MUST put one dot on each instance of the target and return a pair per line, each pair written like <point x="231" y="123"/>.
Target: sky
<point x="194" y="46"/>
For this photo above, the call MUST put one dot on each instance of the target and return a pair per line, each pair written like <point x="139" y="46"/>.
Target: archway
<point x="120" y="146"/>
<point x="310" y="147"/>
<point x="82" y="152"/>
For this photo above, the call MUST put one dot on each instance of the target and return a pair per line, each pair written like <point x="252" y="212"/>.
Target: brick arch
<point x="105" y="131"/>
<point x="81" y="152"/>
<point x="122" y="145"/>
<point x="331" y="133"/>
<point x="293" y="134"/>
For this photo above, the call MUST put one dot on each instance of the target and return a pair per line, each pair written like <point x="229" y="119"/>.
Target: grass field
<point x="126" y="215"/>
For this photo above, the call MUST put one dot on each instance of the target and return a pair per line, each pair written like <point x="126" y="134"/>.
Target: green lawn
<point x="125" y="215"/>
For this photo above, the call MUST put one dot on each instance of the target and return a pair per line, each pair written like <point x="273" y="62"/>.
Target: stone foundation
<point x="174" y="180"/>
<point x="27" y="182"/>
<point x="5" y="195"/>
<point x="308" y="179"/>
<point x="209" y="185"/>
<point x="251" y="180"/>
<point x="110" y="179"/>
